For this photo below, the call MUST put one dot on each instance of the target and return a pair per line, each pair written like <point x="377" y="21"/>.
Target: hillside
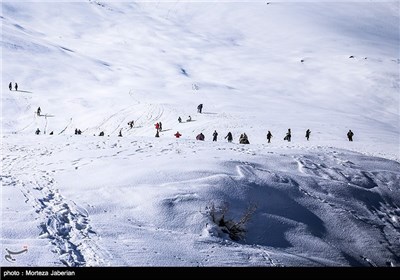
<point x="137" y="200"/>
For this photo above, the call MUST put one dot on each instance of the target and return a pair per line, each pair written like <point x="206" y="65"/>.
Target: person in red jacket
<point x="157" y="126"/>
<point x="177" y="134"/>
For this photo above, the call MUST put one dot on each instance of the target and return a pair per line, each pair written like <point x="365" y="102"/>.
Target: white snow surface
<point x="137" y="200"/>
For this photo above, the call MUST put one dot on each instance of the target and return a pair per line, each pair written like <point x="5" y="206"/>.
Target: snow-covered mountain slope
<point x="256" y="66"/>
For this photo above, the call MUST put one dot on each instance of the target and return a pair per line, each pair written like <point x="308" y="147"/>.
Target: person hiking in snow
<point x="189" y="119"/>
<point x="160" y="126"/>
<point x="157" y="134"/>
<point x="288" y="136"/>
<point x="10" y="86"/>
<point x="350" y="135"/>
<point x="229" y="137"/>
<point x="177" y="134"/>
<point x="38" y="111"/>
<point x="157" y="125"/>
<point x="37" y="131"/>
<point x="200" y="108"/>
<point x="16" y="87"/>
<point x="101" y="133"/>
<point x="200" y="137"/>
<point x="215" y="135"/>
<point x="179" y="120"/>
<point x="308" y="132"/>
<point x="269" y="136"/>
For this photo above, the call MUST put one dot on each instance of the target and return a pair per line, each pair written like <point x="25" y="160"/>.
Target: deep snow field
<point x="138" y="200"/>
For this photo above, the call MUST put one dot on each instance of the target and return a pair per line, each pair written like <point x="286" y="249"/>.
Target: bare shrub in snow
<point x="235" y="229"/>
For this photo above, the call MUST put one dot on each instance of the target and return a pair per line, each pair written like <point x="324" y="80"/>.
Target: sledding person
<point x="101" y="133"/>
<point x="179" y="120"/>
<point x="79" y="132"/>
<point x="16" y="87"/>
<point x="269" y="136"/>
<point x="38" y="111"/>
<point x="51" y="133"/>
<point x="37" y="131"/>
<point x="215" y="135"/>
<point x="229" y="137"/>
<point x="10" y="86"/>
<point x="177" y="134"/>
<point x="131" y="124"/>
<point x="288" y="136"/>
<point x="350" y="135"/>
<point x="200" y="137"/>
<point x="200" y="108"/>
<point x="308" y="132"/>
<point x="189" y="119"/>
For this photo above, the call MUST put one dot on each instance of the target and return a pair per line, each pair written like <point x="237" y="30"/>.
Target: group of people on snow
<point x="11" y="87"/>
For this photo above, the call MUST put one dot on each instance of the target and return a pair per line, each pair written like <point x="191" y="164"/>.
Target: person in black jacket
<point x="308" y="132"/>
<point x="229" y="137"/>
<point x="269" y="136"/>
<point x="215" y="135"/>
<point x="350" y="135"/>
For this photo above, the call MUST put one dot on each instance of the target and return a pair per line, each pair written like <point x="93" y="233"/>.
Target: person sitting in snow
<point x="101" y="133"/>
<point x="37" y="131"/>
<point x="243" y="139"/>
<point x="189" y="119"/>
<point x="200" y="137"/>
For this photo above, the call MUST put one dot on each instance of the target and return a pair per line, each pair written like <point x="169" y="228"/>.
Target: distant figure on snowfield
<point x="179" y="119"/>
<point x="200" y="137"/>
<point x="243" y="139"/>
<point x="189" y="119"/>
<point x="51" y="133"/>
<point x="288" y="136"/>
<point x="160" y="126"/>
<point x="157" y="134"/>
<point x="131" y="123"/>
<point x="120" y="133"/>
<point x="177" y="134"/>
<point x="215" y="135"/>
<point x="101" y="133"/>
<point x="10" y="86"/>
<point x="200" y="108"/>
<point x="37" y="131"/>
<point x="308" y="132"/>
<point x="16" y="87"/>
<point x="229" y="137"/>
<point x="350" y="135"/>
<point x="269" y="136"/>
<point x="38" y="111"/>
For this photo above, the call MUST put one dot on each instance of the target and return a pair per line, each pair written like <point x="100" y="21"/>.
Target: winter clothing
<point x="200" y="108"/>
<point x="177" y="134"/>
<point x="200" y="137"/>
<point x="350" y="135"/>
<point x="215" y="135"/>
<point x="229" y="137"/>
<point x="308" y="132"/>
<point x="269" y="136"/>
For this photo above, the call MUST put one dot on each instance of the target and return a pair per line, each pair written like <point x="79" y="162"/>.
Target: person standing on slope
<point x="215" y="135"/>
<point x="350" y="135"/>
<point x="229" y="137"/>
<point x="16" y="87"/>
<point x="269" y="136"/>
<point x="308" y="132"/>
<point x="10" y="86"/>
<point x="288" y="136"/>
<point x="200" y="108"/>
